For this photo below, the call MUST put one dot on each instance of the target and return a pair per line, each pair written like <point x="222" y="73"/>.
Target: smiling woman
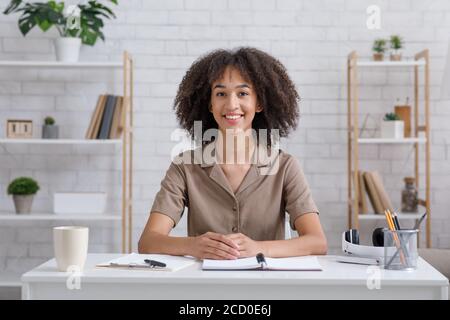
<point x="236" y="208"/>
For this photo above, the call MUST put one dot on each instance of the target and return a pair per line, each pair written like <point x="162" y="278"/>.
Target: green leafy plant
<point x="379" y="46"/>
<point x="23" y="186"/>
<point x="391" y="117"/>
<point x="82" y="21"/>
<point x="396" y="42"/>
<point x="49" y="121"/>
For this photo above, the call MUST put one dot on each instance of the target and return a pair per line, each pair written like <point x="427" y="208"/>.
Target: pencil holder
<point x="400" y="249"/>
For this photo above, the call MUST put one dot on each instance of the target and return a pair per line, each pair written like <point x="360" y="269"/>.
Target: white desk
<point x="336" y="281"/>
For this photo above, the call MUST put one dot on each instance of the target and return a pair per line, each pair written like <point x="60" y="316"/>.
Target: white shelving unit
<point x="126" y="142"/>
<point x="57" y="64"/>
<point x="10" y="216"/>
<point x="391" y="141"/>
<point x="59" y="141"/>
<point x="401" y="216"/>
<point x="406" y="63"/>
<point x="420" y="61"/>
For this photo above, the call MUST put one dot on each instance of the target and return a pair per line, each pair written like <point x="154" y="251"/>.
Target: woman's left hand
<point x="247" y="247"/>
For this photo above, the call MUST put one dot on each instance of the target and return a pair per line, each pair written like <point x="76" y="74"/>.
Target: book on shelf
<point x="361" y="192"/>
<point x="384" y="197"/>
<point x="376" y="192"/>
<point x="91" y="132"/>
<point x="116" y="129"/>
<point x="372" y="193"/>
<point x="107" y="119"/>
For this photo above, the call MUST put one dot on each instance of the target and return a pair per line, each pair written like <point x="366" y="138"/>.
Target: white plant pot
<point x="67" y="49"/>
<point x="392" y="129"/>
<point x="79" y="202"/>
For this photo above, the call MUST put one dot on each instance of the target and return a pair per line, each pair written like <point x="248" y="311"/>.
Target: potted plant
<point x="392" y="126"/>
<point x="76" y="24"/>
<point x="23" y="190"/>
<point x="49" y="129"/>
<point x="396" y="44"/>
<point x="379" y="47"/>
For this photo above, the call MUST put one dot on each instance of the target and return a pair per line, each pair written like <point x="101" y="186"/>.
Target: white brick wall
<point x="311" y="37"/>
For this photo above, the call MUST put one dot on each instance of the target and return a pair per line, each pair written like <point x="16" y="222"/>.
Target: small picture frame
<point x="19" y="129"/>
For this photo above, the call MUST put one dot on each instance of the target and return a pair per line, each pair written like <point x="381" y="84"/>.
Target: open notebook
<point x="137" y="261"/>
<point x="307" y="263"/>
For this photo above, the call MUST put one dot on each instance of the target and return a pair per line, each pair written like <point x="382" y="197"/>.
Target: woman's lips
<point x="233" y="121"/>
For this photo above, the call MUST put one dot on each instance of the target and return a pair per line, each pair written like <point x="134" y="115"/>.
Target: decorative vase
<point x="396" y="56"/>
<point x="393" y="129"/>
<point x="409" y="196"/>
<point x="50" y="131"/>
<point x="23" y="203"/>
<point x="378" y="57"/>
<point x="67" y="49"/>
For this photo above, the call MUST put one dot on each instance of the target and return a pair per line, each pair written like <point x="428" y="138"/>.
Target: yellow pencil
<point x="391" y="226"/>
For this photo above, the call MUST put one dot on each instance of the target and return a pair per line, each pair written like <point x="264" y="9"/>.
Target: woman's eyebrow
<point x="243" y="85"/>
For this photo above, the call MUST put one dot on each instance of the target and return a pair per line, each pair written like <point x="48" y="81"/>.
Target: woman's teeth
<point x="233" y="117"/>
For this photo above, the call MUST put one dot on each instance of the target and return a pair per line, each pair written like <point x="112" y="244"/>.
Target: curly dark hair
<point x="275" y="91"/>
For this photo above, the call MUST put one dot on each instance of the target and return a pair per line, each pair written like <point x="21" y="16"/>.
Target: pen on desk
<point x="396" y="222"/>
<point x="261" y="260"/>
<point x="418" y="222"/>
<point x="154" y="263"/>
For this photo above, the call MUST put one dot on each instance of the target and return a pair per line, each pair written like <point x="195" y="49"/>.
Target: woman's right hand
<point x="211" y="245"/>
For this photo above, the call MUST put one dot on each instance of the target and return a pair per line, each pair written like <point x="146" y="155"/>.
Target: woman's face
<point x="233" y="101"/>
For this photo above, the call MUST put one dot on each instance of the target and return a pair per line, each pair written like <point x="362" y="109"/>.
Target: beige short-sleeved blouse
<point x="271" y="187"/>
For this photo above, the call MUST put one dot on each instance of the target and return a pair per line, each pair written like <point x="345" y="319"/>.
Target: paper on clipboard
<point x="136" y="261"/>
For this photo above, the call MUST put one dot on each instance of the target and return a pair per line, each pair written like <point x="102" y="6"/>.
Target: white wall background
<point x="311" y="37"/>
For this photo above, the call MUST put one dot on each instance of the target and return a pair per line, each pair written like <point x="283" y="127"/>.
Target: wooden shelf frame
<point x="126" y="141"/>
<point x="421" y="60"/>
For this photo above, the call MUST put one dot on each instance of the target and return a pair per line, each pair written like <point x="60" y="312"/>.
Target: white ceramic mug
<point x="71" y="246"/>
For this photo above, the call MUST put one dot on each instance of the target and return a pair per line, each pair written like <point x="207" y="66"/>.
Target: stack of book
<point x="370" y="183"/>
<point x="108" y="118"/>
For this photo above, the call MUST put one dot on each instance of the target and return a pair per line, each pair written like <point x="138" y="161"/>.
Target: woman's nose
<point x="232" y="102"/>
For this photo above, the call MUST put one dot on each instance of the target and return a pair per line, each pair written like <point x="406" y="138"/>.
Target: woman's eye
<point x="220" y="94"/>
<point x="243" y="94"/>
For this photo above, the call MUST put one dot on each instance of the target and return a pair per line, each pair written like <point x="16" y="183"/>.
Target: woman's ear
<point x="259" y="109"/>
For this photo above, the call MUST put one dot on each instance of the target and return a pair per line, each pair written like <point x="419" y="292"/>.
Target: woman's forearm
<point x="300" y="246"/>
<point x="155" y="242"/>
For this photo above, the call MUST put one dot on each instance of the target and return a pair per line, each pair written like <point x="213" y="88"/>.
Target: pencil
<point x="391" y="226"/>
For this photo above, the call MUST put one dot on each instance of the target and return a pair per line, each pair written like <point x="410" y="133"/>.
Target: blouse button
<point x="234" y="208"/>
<point x="234" y="229"/>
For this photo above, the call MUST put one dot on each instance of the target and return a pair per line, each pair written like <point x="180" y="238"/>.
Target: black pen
<point x="261" y="260"/>
<point x="397" y="224"/>
<point x="154" y="263"/>
<point x="418" y="222"/>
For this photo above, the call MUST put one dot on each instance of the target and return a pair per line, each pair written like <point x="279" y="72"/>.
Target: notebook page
<point x="307" y="263"/>
<point x="173" y="263"/>
<point x="237" y="264"/>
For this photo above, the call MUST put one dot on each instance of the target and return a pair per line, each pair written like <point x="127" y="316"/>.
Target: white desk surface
<point x="336" y="281"/>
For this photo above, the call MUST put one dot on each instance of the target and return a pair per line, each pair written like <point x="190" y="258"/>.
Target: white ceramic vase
<point x="392" y="129"/>
<point x="67" y="49"/>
